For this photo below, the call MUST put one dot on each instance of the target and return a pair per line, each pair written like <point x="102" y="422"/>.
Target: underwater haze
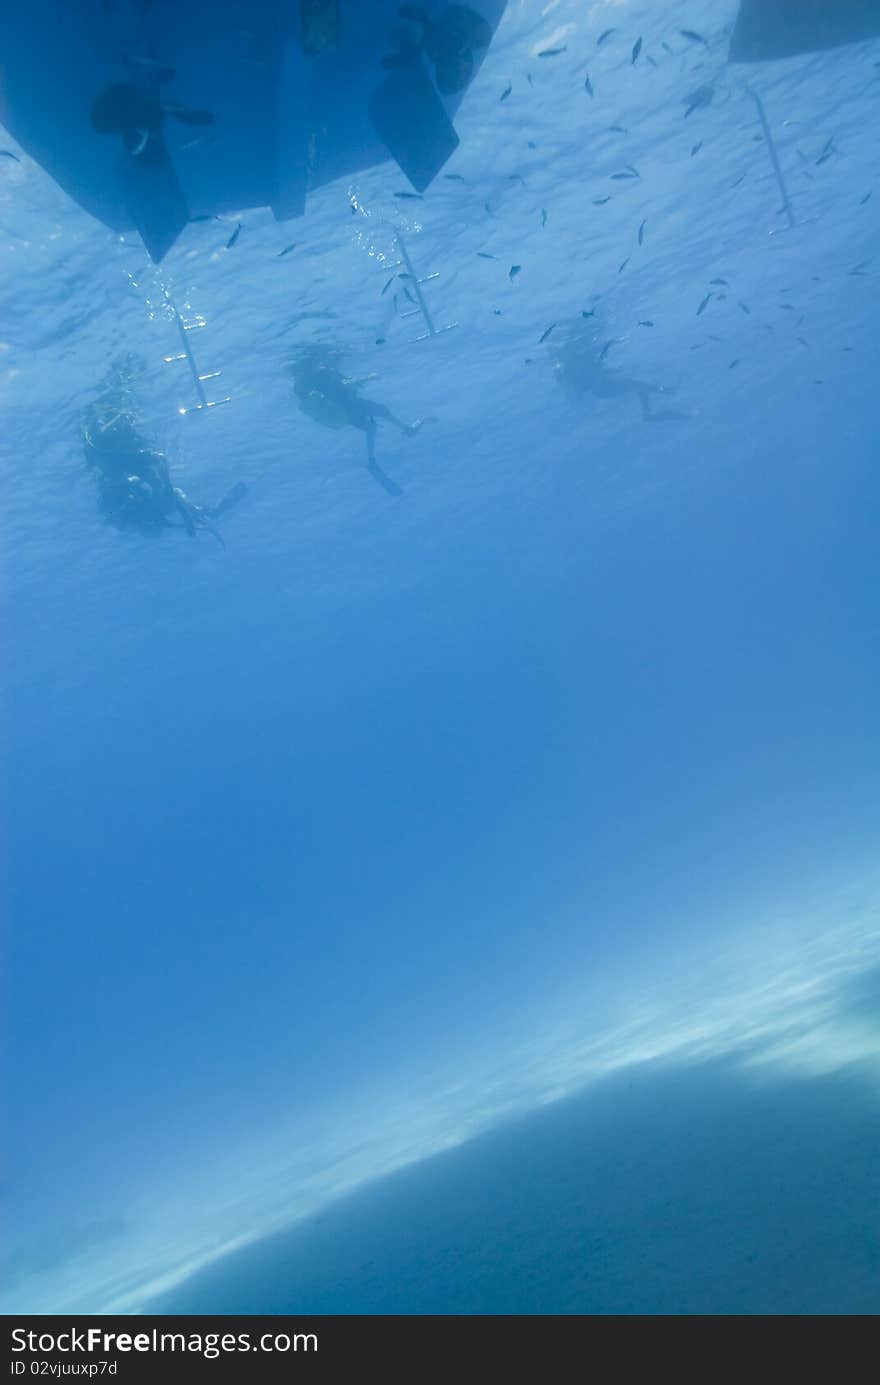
<point x="463" y="900"/>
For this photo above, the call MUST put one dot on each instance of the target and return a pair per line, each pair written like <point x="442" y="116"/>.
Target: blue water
<point x="336" y="857"/>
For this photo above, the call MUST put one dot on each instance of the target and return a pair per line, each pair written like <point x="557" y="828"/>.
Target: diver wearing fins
<point x="579" y="366"/>
<point x="135" y="490"/>
<point x="334" y="400"/>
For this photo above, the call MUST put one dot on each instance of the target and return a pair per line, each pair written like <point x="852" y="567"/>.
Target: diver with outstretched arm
<point x="580" y="367"/>
<point x="332" y="399"/>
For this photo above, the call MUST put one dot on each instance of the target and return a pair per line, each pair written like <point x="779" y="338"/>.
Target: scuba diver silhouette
<point x="580" y="368"/>
<point x="135" y="491"/>
<point x="334" y="400"/>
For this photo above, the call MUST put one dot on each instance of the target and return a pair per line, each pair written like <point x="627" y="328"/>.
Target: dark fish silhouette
<point x="544" y="335"/>
<point x="603" y="36"/>
<point x="703" y="96"/>
<point x="703" y="306"/>
<point x="8" y="154"/>
<point x="637" y="48"/>
<point x="513" y="271"/>
<point x="588" y="86"/>
<point x="642" y="232"/>
<point x="234" y="237"/>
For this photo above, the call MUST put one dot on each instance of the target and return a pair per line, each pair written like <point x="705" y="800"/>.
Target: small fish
<point x="866" y="198"/>
<point x="642" y="233"/>
<point x="532" y="144"/>
<point x="618" y="176"/>
<point x="637" y="48"/>
<point x="600" y="201"/>
<point x="585" y="313"/>
<point x="197" y="141"/>
<point x="665" y="46"/>
<point x="624" y="264"/>
<point x="693" y="36"/>
<point x="409" y="196"/>
<point x="703" y="96"/>
<point x="506" y="92"/>
<point x="544" y="335"/>
<point x="618" y="129"/>
<point x="787" y="307"/>
<point x="388" y="285"/>
<point x="162" y="74"/>
<point x="740" y="179"/>
<point x="823" y="158"/>
<point x="588" y="86"/>
<point x="543" y="216"/>
<point x="234" y="237"/>
<point x="407" y="294"/>
<point x="645" y="322"/>
<point x="529" y="79"/>
<point x="516" y="178"/>
<point x="603" y="36"/>
<point x="488" y="210"/>
<point x="188" y="116"/>
<point x="287" y="249"/>
<point x="733" y="364"/>
<point x="529" y="360"/>
<point x="513" y="271"/>
<point x="860" y="268"/>
<point x="697" y="147"/>
<point x="453" y="177"/>
<point x="205" y="216"/>
<point x="703" y="306"/>
<point x="497" y="312"/>
<point x="606" y="348"/>
<point x="722" y="282"/>
<point x="746" y="309"/>
<point x="553" y="52"/>
<point x="8" y="154"/>
<point x="380" y="341"/>
<point x="484" y="255"/>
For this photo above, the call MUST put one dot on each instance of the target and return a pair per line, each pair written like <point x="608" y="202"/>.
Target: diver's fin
<point x="391" y="487"/>
<point x="409" y="117"/>
<point x="230" y="499"/>
<point x="768" y="29"/>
